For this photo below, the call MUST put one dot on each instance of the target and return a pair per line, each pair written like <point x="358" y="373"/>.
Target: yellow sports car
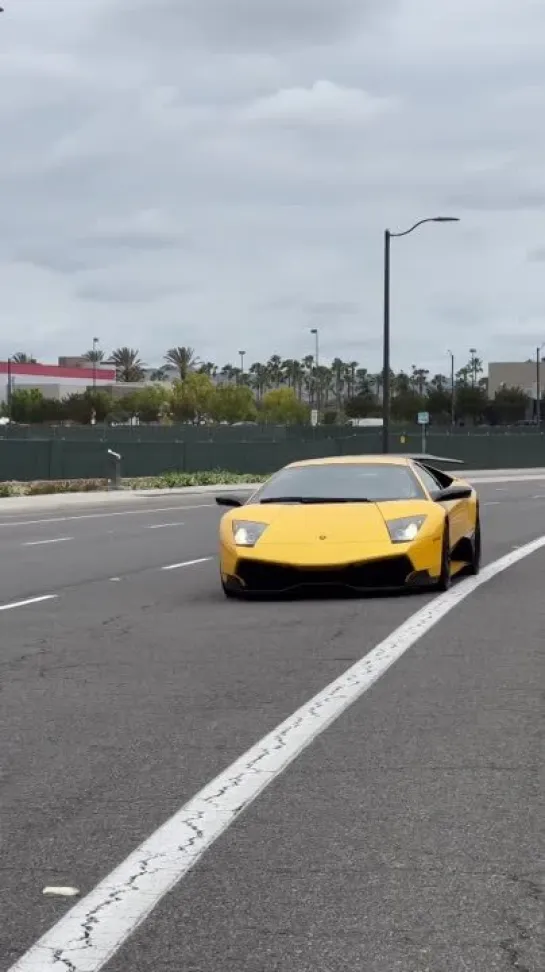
<point x="359" y="522"/>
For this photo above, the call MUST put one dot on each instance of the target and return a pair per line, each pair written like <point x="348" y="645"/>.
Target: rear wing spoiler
<point x="425" y="457"/>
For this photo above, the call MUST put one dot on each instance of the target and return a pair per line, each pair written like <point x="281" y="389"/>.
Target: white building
<point x="54" y="381"/>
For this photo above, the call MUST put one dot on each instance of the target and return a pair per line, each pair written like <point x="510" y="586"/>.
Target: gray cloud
<point x="247" y="25"/>
<point x="220" y="174"/>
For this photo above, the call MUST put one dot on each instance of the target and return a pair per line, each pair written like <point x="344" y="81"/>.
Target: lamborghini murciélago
<point x="365" y="523"/>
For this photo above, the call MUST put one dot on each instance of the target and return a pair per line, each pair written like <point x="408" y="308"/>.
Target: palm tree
<point x="95" y="356"/>
<point x="184" y="359"/>
<point x="274" y="367"/>
<point x="439" y="382"/>
<point x="208" y="368"/>
<point x="21" y="358"/>
<point x="419" y="379"/>
<point x="160" y="374"/>
<point x="338" y="375"/>
<point x="227" y="373"/>
<point x="258" y="377"/>
<point x="128" y="365"/>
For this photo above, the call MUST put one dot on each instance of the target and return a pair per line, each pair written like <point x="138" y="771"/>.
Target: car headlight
<point x="404" y="529"/>
<point x="246" y="533"/>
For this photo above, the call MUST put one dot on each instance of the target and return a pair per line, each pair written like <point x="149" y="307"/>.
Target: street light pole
<point x="386" y="403"/>
<point x="538" y="384"/>
<point x="9" y="390"/>
<point x="473" y="352"/>
<point x="452" y="391"/>
<point x="242" y="353"/>
<point x="315" y="331"/>
<point x="95" y="350"/>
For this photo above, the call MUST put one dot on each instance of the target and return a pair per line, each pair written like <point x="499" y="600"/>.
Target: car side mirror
<point x="451" y="493"/>
<point x="230" y="499"/>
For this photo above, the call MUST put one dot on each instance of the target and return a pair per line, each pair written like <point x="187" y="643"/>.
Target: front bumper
<point x="382" y="574"/>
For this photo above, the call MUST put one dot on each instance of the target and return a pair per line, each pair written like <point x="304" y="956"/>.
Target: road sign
<point x="423" y="418"/>
<point x="314" y="417"/>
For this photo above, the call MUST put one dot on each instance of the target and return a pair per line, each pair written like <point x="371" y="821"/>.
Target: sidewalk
<point x="62" y="501"/>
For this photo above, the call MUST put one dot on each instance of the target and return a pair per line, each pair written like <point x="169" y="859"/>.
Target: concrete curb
<point x="62" y="501"/>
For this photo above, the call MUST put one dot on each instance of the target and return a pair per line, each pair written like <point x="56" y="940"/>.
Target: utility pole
<point x="386" y="403"/>
<point x="315" y="331"/>
<point x="452" y="392"/>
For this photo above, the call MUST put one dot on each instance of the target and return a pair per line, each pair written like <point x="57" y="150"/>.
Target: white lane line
<point x="96" y="927"/>
<point x="29" y="600"/>
<point x="102" y="516"/>
<point x="42" y="543"/>
<point x="492" y="503"/>
<point x="187" y="563"/>
<point x="163" y="526"/>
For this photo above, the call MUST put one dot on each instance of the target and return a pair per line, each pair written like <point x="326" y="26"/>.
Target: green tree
<point x="151" y="404"/>
<point x="82" y="407"/>
<point x="191" y="400"/>
<point x="361" y="406"/>
<point x="471" y="403"/>
<point x="406" y="406"/>
<point x="282" y="407"/>
<point x="233" y="403"/>
<point x="184" y="359"/>
<point x="128" y="366"/>
<point x="27" y="406"/>
<point x="439" y="405"/>
<point x="509" y="405"/>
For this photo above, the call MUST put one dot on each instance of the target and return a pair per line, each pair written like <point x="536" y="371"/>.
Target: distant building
<point x="55" y="381"/>
<point x="515" y="374"/>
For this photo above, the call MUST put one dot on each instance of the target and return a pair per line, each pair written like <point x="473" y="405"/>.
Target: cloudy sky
<point x="219" y="173"/>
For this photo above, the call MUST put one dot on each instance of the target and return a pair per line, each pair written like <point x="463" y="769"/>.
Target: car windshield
<point x="335" y="482"/>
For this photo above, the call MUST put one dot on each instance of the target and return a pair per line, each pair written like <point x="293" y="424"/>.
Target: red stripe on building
<point x="54" y="371"/>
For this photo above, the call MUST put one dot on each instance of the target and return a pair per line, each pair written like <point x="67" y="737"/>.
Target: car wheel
<point x="230" y="594"/>
<point x="445" y="577"/>
<point x="474" y="565"/>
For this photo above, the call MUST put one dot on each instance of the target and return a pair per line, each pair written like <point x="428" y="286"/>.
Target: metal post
<point x="115" y="482"/>
<point x="242" y="354"/>
<point x="386" y="348"/>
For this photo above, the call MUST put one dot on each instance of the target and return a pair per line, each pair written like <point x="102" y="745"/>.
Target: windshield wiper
<point x="315" y="499"/>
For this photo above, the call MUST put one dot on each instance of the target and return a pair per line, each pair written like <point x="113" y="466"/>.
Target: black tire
<point x="474" y="565"/>
<point x="445" y="578"/>
<point x="231" y="593"/>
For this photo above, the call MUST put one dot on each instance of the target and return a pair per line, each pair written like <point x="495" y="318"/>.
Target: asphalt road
<point x="409" y="836"/>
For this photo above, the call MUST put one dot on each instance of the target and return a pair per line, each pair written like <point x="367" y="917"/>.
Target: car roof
<point x="389" y="460"/>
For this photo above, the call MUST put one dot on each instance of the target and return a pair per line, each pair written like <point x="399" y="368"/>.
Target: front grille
<point x="374" y="574"/>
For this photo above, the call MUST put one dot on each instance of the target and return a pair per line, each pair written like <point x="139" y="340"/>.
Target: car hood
<point x="328" y="523"/>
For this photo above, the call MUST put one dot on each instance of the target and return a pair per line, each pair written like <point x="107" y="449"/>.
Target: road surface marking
<point x="62" y="892"/>
<point x="187" y="563"/>
<point x="86" y="938"/>
<point x="492" y="503"/>
<point x="102" y="516"/>
<point x="29" y="600"/>
<point x="42" y="543"/>
<point x="163" y="526"/>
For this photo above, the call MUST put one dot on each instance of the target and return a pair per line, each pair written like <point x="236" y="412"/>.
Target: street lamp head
<point x="445" y="219"/>
<point x="314" y="330"/>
